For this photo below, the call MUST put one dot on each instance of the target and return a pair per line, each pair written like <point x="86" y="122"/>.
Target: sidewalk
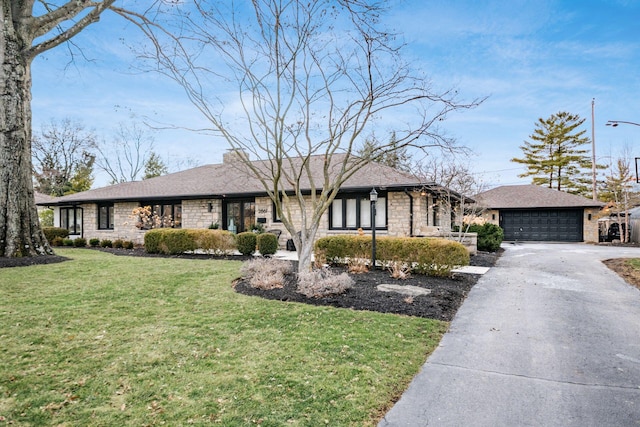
<point x="548" y="337"/>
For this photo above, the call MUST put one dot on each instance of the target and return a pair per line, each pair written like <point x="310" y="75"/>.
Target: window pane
<point x="365" y="213"/>
<point x="336" y="211"/>
<point x="64" y="221"/>
<point x="351" y="213"/>
<point x="78" y="221"/>
<point x="381" y="212"/>
<point x="112" y="213"/>
<point x="177" y="216"/>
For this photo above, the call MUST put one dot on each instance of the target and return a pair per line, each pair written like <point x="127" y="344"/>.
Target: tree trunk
<point x="20" y="233"/>
<point x="304" y="247"/>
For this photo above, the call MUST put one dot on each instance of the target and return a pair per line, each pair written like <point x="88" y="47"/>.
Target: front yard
<point x="112" y="340"/>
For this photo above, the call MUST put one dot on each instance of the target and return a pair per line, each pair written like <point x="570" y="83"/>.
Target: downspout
<point x="410" y="212"/>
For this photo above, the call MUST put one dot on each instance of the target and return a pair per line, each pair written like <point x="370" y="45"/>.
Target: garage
<point x="540" y="214"/>
<point x="543" y="225"/>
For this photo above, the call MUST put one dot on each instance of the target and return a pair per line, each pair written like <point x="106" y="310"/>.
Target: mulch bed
<point x="447" y="294"/>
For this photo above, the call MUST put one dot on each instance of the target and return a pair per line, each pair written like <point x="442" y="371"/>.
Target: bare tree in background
<point x="126" y="157"/>
<point x="63" y="157"/>
<point x="457" y="185"/>
<point x="311" y="80"/>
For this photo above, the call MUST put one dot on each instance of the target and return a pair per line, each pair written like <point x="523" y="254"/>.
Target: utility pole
<point x="593" y="148"/>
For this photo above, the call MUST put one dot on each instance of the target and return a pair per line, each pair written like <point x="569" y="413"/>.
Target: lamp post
<point x="615" y="123"/>
<point x="373" y="196"/>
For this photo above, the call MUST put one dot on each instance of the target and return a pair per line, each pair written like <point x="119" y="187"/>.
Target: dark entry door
<point x="544" y="225"/>
<point x="239" y="215"/>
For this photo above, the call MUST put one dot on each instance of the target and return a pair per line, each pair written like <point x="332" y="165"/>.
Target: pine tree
<point x="555" y="158"/>
<point x="154" y="166"/>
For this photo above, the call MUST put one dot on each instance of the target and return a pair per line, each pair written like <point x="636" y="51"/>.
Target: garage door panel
<point x="542" y="225"/>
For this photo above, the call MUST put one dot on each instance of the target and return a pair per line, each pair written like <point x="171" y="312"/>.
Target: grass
<point x="107" y="340"/>
<point x="634" y="262"/>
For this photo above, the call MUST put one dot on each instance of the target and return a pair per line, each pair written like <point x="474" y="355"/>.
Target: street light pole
<point x="593" y="150"/>
<point x="615" y="123"/>
<point x="373" y="196"/>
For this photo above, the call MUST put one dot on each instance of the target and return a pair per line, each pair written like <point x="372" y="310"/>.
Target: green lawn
<point x="108" y="340"/>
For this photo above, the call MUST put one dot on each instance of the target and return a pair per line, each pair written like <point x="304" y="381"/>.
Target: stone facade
<point x="202" y="213"/>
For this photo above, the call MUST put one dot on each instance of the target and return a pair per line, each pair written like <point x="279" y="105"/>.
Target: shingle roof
<point x="43" y="199"/>
<point x="532" y="196"/>
<point x="233" y="178"/>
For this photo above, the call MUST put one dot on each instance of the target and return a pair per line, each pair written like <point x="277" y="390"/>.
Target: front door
<point x="239" y="215"/>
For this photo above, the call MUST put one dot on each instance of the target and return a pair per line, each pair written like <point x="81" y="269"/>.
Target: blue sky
<point x="531" y="58"/>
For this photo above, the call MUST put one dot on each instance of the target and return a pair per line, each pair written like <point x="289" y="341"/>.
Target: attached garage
<point x="540" y="214"/>
<point x="543" y="225"/>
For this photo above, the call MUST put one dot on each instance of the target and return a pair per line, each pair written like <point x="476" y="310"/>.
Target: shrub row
<point x="175" y="241"/>
<point x="80" y="242"/>
<point x="52" y="232"/>
<point x="436" y="257"/>
<point x="220" y="242"/>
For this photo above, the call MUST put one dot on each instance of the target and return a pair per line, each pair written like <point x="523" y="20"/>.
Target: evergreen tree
<point x="555" y="156"/>
<point x="397" y="158"/>
<point x="154" y="166"/>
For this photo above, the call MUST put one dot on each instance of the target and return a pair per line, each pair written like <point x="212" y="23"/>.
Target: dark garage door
<point x="555" y="225"/>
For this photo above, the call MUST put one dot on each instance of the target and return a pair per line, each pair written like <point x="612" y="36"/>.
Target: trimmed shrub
<point x="267" y="243"/>
<point x="57" y="241"/>
<point x="489" y="236"/>
<point x="246" y="242"/>
<point x="128" y="244"/>
<point x="80" y="242"/>
<point x="322" y="283"/>
<point x="118" y="243"/>
<point x="214" y="241"/>
<point x="94" y="243"/>
<point x="67" y="242"/>
<point x="106" y="243"/>
<point x="170" y="241"/>
<point x="52" y="232"/>
<point x="436" y="257"/>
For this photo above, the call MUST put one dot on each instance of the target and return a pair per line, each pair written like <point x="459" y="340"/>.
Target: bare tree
<point x="455" y="183"/>
<point x="63" y="157"/>
<point x="124" y="159"/>
<point x="311" y="78"/>
<point x="618" y="192"/>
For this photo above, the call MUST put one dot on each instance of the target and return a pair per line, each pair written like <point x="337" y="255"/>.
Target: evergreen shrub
<point x="267" y="243"/>
<point x="246" y="242"/>
<point x="80" y="242"/>
<point x="94" y="243"/>
<point x="490" y="236"/>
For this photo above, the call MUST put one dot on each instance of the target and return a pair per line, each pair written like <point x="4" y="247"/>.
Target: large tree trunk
<point x="20" y="233"/>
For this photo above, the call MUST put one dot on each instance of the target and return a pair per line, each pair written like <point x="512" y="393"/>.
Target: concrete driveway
<point x="548" y="337"/>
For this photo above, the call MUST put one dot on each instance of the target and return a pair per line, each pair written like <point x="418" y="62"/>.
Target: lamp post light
<point x="615" y="123"/>
<point x="373" y="197"/>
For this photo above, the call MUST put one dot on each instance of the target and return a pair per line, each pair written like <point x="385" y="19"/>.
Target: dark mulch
<point x="27" y="261"/>
<point x="447" y="294"/>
